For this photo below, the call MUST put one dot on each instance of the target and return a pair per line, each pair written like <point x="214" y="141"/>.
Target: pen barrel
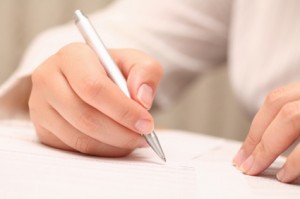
<point x="93" y="40"/>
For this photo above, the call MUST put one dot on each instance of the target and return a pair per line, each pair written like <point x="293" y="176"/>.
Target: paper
<point x="198" y="167"/>
<point x="31" y="170"/>
<point x="218" y="178"/>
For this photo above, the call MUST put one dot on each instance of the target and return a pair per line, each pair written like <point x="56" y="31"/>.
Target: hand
<point x="75" y="106"/>
<point x="274" y="128"/>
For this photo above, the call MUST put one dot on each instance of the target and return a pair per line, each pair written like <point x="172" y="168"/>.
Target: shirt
<point x="259" y="39"/>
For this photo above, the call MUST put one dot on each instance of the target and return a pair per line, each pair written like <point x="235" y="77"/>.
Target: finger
<point x="83" y="71"/>
<point x="86" y="118"/>
<point x="47" y="138"/>
<point x="272" y="105"/>
<point x="49" y="119"/>
<point x="281" y="133"/>
<point x="143" y="74"/>
<point x="291" y="169"/>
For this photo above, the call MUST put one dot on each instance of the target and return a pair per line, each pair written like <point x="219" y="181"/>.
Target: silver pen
<point x="93" y="40"/>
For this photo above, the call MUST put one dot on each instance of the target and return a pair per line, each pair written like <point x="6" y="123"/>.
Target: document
<point x="198" y="166"/>
<point x="29" y="169"/>
<point x="218" y="178"/>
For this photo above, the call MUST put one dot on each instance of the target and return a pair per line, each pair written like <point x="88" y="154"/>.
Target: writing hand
<point x="75" y="106"/>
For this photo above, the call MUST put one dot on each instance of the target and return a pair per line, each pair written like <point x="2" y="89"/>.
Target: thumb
<point x="142" y="72"/>
<point x="143" y="80"/>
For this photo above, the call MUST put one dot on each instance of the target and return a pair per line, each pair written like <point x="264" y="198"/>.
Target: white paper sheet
<point x="31" y="170"/>
<point x="218" y="178"/>
<point x="198" y="167"/>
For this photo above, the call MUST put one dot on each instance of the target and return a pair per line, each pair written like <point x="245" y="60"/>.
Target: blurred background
<point x="22" y="20"/>
<point x="207" y="106"/>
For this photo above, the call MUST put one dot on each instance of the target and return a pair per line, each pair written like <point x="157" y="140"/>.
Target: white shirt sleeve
<point x="185" y="36"/>
<point x="264" y="50"/>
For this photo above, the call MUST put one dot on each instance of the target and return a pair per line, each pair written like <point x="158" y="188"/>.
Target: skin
<point x="75" y="106"/>
<point x="274" y="128"/>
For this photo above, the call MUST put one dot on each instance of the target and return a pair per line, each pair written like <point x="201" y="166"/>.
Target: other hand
<point x="275" y="127"/>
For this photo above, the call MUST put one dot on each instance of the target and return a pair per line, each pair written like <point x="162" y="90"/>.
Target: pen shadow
<point x="139" y="158"/>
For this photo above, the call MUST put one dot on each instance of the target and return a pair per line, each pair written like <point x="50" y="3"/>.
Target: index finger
<point x="281" y="133"/>
<point x="85" y="74"/>
<point x="271" y="107"/>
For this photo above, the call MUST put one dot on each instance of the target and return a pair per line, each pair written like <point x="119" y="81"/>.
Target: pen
<point x="93" y="40"/>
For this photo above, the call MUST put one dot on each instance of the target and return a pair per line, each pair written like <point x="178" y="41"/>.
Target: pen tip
<point x="162" y="157"/>
<point x="152" y="140"/>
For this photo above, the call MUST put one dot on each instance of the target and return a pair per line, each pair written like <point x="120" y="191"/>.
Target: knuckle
<point x="290" y="113"/>
<point x="72" y="49"/>
<point x="82" y="144"/>
<point x="289" y="110"/>
<point x="264" y="150"/>
<point x="71" y="53"/>
<point x="252" y="140"/>
<point x="293" y="132"/>
<point x="87" y="121"/>
<point x="152" y="63"/>
<point x="93" y="86"/>
<point x="125" y="114"/>
<point x="275" y="95"/>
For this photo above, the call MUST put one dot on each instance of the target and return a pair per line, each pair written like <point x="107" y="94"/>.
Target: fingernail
<point x="246" y="166"/>
<point x="143" y="126"/>
<point x="239" y="158"/>
<point x="280" y="175"/>
<point x="145" y="95"/>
